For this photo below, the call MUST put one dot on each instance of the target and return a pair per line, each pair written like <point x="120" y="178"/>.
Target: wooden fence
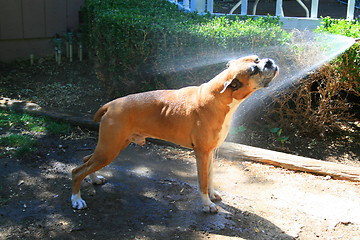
<point x="27" y="26"/>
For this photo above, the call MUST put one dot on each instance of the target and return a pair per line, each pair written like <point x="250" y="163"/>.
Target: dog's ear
<point x="234" y="84"/>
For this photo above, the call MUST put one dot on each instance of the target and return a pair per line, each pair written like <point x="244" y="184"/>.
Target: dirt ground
<point x="151" y="191"/>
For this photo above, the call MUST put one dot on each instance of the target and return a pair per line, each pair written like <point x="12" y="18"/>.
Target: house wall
<point x="28" y="26"/>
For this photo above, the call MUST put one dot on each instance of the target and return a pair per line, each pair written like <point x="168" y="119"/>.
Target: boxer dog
<point x="196" y="117"/>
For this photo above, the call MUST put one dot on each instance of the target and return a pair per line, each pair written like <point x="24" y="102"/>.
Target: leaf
<point x="274" y="130"/>
<point x="241" y="129"/>
<point x="282" y="139"/>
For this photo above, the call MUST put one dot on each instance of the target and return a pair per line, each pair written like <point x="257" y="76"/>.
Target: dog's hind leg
<point x="95" y="178"/>
<point x="204" y="161"/>
<point x="112" y="140"/>
<point x="101" y="158"/>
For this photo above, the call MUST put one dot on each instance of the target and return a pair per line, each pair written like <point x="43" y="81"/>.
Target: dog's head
<point x="247" y="74"/>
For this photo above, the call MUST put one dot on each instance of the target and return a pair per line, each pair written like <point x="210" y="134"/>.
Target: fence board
<point x="73" y="13"/>
<point x="11" y="19"/>
<point x="56" y="15"/>
<point x="33" y="18"/>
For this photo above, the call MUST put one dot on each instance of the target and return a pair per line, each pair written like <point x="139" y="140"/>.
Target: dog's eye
<point x="257" y="60"/>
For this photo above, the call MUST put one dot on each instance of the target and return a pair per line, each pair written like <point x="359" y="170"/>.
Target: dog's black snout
<point x="269" y="63"/>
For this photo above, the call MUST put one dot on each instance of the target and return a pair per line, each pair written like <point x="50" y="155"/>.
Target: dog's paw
<point x="211" y="208"/>
<point x="97" y="179"/>
<point x="215" y="196"/>
<point x="77" y="202"/>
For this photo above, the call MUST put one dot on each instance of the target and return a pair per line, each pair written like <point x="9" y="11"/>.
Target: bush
<point x="141" y="45"/>
<point x="327" y="98"/>
<point x="347" y="65"/>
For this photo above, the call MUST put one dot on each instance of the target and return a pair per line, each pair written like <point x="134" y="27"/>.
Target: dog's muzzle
<point x="269" y="71"/>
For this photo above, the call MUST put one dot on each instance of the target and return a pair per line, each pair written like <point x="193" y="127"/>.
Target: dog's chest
<point x="227" y="122"/>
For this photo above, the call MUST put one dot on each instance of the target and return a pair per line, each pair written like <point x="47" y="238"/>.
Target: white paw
<point x="211" y="208"/>
<point x="215" y="196"/>
<point x="77" y="202"/>
<point x="97" y="179"/>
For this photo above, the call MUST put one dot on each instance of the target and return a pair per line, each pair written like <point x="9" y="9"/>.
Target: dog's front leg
<point x="213" y="194"/>
<point x="204" y="161"/>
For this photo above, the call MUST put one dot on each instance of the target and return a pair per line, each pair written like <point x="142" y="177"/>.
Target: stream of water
<point x="305" y="52"/>
<point x="314" y="50"/>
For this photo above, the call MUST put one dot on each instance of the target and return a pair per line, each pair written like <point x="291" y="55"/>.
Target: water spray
<point x="316" y="51"/>
<point x="305" y="52"/>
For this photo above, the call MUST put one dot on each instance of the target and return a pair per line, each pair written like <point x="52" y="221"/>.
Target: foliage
<point x="349" y="28"/>
<point x="29" y="127"/>
<point x="32" y="124"/>
<point x="21" y="144"/>
<point x="238" y="129"/>
<point x="140" y="45"/>
<point x="347" y="65"/>
<point x="279" y="136"/>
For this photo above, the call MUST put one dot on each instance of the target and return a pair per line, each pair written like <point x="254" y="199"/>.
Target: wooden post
<point x="279" y="8"/>
<point x="210" y="6"/>
<point x="350" y="9"/>
<point x="314" y="8"/>
<point x="186" y="4"/>
<point x="244" y="7"/>
<point x="198" y="5"/>
<point x="31" y="59"/>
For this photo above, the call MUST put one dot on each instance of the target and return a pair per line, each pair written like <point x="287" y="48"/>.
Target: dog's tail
<point x="100" y="112"/>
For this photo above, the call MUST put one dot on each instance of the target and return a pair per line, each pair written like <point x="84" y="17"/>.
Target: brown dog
<point x="194" y="117"/>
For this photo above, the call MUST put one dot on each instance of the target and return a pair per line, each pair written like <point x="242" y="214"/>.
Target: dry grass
<point x="317" y="106"/>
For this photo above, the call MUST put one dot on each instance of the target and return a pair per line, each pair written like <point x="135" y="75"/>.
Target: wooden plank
<point x="337" y="171"/>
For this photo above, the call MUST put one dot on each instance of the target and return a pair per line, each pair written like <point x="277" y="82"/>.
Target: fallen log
<point x="335" y="170"/>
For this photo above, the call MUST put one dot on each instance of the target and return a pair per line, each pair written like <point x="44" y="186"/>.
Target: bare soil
<point x="151" y="191"/>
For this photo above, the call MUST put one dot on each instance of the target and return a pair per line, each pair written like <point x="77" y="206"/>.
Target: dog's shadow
<point x="171" y="210"/>
<point x="156" y="203"/>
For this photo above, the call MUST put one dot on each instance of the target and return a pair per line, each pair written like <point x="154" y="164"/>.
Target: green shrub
<point x="347" y="65"/>
<point x="140" y="45"/>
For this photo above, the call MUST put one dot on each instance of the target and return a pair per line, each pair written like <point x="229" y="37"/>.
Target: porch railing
<point x="208" y="6"/>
